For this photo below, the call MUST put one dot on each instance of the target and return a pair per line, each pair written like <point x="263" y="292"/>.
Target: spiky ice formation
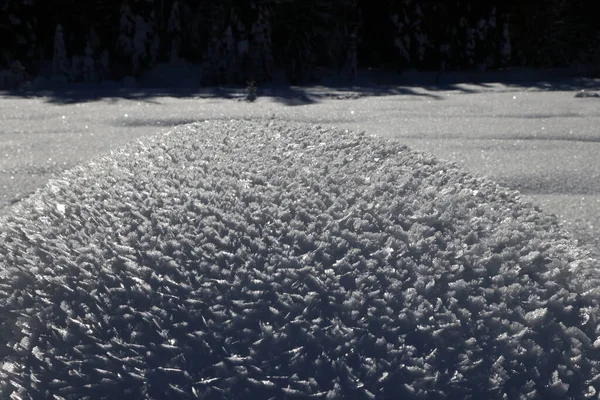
<point x="257" y="260"/>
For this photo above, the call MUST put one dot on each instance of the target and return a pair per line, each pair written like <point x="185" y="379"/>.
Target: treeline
<point x="238" y="40"/>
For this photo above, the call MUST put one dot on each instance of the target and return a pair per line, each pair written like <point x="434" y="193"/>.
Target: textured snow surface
<point x="255" y="260"/>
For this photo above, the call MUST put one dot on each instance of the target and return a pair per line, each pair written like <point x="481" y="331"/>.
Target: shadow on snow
<point x="369" y="83"/>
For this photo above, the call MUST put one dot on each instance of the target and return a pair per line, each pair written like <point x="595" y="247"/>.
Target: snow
<point x="493" y="130"/>
<point x="265" y="256"/>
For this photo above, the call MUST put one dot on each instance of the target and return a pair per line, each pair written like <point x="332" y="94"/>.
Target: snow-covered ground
<point x="274" y="259"/>
<point x="537" y="138"/>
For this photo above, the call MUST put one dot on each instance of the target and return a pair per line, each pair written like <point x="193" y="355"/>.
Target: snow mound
<point x="256" y="260"/>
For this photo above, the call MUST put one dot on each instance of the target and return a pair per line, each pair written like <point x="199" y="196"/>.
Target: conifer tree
<point x="213" y="64"/>
<point x="351" y="55"/>
<point x="89" y="65"/>
<point x="298" y="29"/>
<point x="104" y="65"/>
<point x="401" y="39"/>
<point x="411" y="34"/>
<point x="126" y="29"/>
<point x="228" y="55"/>
<point x="60" y="63"/>
<point x="175" y="29"/>
<point x="244" y="70"/>
<point x="351" y="37"/>
<point x="505" y="44"/>
<point x="18" y="38"/>
<point x="77" y="67"/>
<point x="138" y="39"/>
<point x="262" y="46"/>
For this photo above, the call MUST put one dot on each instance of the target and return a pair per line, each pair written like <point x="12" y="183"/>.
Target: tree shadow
<point x="289" y="96"/>
<point x="295" y="95"/>
<point x="560" y="79"/>
<point x="283" y="94"/>
<point x="559" y="138"/>
<point x="166" y="122"/>
<point x="73" y="94"/>
<point x="369" y="83"/>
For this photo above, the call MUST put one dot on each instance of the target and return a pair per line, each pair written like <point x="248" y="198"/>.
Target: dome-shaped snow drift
<point x="251" y="260"/>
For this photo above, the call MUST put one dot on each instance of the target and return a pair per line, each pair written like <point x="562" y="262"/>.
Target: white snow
<point x="490" y="131"/>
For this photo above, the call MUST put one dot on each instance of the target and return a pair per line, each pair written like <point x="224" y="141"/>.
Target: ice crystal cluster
<point x="277" y="260"/>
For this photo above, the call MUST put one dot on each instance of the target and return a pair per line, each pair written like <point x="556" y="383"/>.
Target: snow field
<point x="246" y="259"/>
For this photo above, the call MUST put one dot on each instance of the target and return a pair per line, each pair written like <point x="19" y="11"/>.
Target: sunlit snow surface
<point x="263" y="259"/>
<point x="535" y="137"/>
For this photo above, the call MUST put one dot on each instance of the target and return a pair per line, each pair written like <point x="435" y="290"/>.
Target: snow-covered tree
<point x="89" y="65"/>
<point x="401" y="41"/>
<point x="139" y="42"/>
<point x="229" y="55"/>
<point x="228" y="52"/>
<point x="138" y="38"/>
<point x="213" y="65"/>
<point x="262" y="46"/>
<point x="175" y="29"/>
<point x="18" y="26"/>
<point x="104" y="65"/>
<point x="60" y="63"/>
<point x="403" y="38"/>
<point x="470" y="47"/>
<point x="243" y="65"/>
<point x="505" y="45"/>
<point x="480" y="40"/>
<point x="351" y="37"/>
<point x="77" y="67"/>
<point x="17" y="76"/>
<point x="93" y="40"/>
<point x="352" y="57"/>
<point x="411" y="38"/>
<point x="421" y="38"/>
<point x="126" y="29"/>
<point x="298" y="29"/>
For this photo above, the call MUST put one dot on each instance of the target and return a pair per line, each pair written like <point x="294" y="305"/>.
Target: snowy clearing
<point x="536" y="138"/>
<point x="244" y="259"/>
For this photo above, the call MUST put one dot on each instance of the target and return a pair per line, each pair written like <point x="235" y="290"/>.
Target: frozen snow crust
<point x="257" y="260"/>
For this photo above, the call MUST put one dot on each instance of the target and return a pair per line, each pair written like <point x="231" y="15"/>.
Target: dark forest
<point x="238" y="40"/>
